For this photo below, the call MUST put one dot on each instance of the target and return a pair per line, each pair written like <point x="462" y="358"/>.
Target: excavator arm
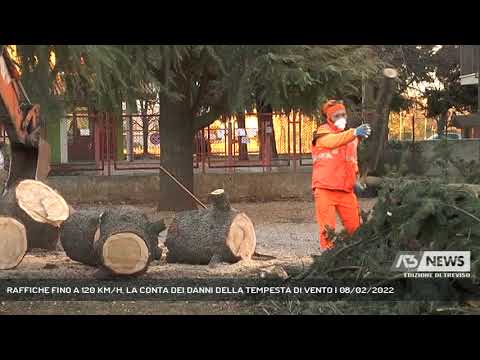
<point x="30" y="152"/>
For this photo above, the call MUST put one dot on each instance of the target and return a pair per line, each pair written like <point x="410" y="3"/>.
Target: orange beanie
<point x="330" y="108"/>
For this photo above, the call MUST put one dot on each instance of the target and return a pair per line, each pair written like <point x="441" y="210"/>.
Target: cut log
<point x="218" y="232"/>
<point x="39" y="208"/>
<point x="124" y="253"/>
<point x="41" y="236"/>
<point x="127" y="241"/>
<point x="390" y="73"/>
<point x="122" y="241"/>
<point x="41" y="202"/>
<point x="13" y="242"/>
<point x="78" y="234"/>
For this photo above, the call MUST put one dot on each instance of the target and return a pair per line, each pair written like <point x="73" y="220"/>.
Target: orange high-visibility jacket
<point x="334" y="168"/>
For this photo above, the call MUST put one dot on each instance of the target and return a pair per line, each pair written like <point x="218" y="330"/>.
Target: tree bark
<point x="368" y="100"/>
<point x="176" y="150"/>
<point x="265" y="120"/>
<point x="243" y="148"/>
<point x="130" y="152"/>
<point x="78" y="233"/>
<point x="127" y="241"/>
<point x="442" y="124"/>
<point x="380" y="126"/>
<point x="218" y="233"/>
<point x="122" y="241"/>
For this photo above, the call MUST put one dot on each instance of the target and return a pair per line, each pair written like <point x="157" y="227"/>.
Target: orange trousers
<point x="327" y="203"/>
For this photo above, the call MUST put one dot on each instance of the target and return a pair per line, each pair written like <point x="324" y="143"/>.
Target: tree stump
<point x="122" y="241"/>
<point x="219" y="232"/>
<point x="39" y="208"/>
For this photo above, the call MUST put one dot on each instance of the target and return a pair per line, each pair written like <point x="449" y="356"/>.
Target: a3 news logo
<point x="433" y="262"/>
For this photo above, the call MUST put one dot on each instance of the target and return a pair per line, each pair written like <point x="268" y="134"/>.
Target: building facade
<point x="469" y="76"/>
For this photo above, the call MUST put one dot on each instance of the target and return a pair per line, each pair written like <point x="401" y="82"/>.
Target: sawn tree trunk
<point x="218" y="233"/>
<point x="31" y="214"/>
<point x="122" y="241"/>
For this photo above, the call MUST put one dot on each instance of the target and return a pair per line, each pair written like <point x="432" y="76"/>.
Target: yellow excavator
<point x="30" y="152"/>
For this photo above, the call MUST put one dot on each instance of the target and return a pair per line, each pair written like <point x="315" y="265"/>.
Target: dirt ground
<point x="284" y="229"/>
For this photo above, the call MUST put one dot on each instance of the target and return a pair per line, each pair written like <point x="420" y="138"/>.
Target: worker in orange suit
<point x="335" y="171"/>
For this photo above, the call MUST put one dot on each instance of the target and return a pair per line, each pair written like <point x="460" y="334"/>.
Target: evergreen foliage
<point x="214" y="79"/>
<point x="424" y="215"/>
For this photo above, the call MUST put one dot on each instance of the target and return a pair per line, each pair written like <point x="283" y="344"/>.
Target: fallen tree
<point x="376" y="183"/>
<point x="122" y="241"/>
<point x="409" y="216"/>
<point x="217" y="234"/>
<point x="31" y="214"/>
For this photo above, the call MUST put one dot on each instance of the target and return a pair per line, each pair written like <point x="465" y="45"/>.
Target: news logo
<point x="429" y="264"/>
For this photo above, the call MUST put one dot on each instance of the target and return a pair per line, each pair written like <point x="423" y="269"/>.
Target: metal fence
<point x="273" y="141"/>
<point x="103" y="144"/>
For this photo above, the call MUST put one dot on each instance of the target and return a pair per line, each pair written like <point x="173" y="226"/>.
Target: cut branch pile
<point x="409" y="216"/>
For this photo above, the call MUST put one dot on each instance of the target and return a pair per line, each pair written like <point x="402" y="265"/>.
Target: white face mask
<point x="341" y="123"/>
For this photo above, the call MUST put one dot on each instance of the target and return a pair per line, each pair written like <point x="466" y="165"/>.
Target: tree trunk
<point x="176" y="149"/>
<point x="130" y="152"/>
<point x="380" y="126"/>
<point x="39" y="209"/>
<point x="243" y="148"/>
<point x="131" y="110"/>
<point x="442" y="124"/>
<point x="368" y="101"/>
<point x="218" y="233"/>
<point x="122" y="241"/>
<point x="265" y="120"/>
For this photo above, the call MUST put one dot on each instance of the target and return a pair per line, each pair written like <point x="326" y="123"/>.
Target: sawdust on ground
<point x="284" y="229"/>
